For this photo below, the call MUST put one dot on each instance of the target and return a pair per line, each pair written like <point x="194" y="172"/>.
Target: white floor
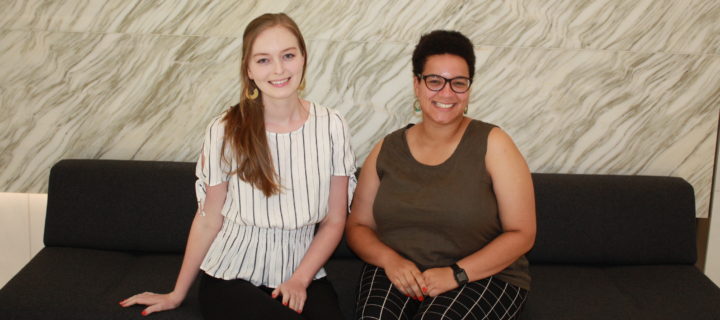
<point x="712" y="260"/>
<point x="22" y="221"/>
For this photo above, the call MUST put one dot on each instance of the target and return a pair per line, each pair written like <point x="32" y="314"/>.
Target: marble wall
<point x="602" y="86"/>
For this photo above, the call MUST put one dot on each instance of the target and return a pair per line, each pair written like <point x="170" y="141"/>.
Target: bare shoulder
<point x="371" y="160"/>
<point x="499" y="138"/>
<point x="502" y="153"/>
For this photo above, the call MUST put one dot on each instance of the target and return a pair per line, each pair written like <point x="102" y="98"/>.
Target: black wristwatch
<point x="460" y="275"/>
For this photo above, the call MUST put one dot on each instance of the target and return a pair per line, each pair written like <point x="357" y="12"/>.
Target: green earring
<point x="416" y="106"/>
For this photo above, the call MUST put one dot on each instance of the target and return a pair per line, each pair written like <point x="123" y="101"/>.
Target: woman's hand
<point x="294" y="294"/>
<point x="439" y="280"/>
<point x="406" y="277"/>
<point x="155" y="302"/>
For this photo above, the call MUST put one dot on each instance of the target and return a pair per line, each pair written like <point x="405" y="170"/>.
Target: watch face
<point x="461" y="277"/>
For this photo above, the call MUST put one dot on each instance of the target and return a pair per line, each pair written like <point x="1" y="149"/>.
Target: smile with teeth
<point x="280" y="83"/>
<point x="444" y="105"/>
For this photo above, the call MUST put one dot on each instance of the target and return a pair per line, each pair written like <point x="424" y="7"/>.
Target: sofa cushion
<point x="626" y="292"/>
<point x="613" y="220"/>
<point x="120" y="205"/>
<point x="88" y="284"/>
<point x="70" y="283"/>
<point x="344" y="274"/>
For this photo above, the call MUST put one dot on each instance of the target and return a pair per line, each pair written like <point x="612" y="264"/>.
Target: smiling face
<point x="276" y="64"/>
<point x="444" y="106"/>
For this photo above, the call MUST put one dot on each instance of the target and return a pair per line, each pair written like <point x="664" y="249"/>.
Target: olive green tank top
<point x="437" y="215"/>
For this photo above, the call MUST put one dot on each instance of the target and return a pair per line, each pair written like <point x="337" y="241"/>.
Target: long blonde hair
<point x="245" y="122"/>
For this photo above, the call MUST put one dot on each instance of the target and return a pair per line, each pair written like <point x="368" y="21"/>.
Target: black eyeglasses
<point x="436" y="83"/>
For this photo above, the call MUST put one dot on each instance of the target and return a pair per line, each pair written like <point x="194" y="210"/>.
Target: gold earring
<point x="253" y="95"/>
<point x="465" y="112"/>
<point x="416" y="106"/>
<point x="302" y="85"/>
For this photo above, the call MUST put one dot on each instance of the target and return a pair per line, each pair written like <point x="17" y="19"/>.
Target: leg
<point x="378" y="298"/>
<point x="488" y="298"/>
<point x="322" y="301"/>
<point x="232" y="299"/>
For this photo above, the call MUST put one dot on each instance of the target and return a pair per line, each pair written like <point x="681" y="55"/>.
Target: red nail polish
<point x="285" y="304"/>
<point x="144" y="313"/>
<point x="421" y="299"/>
<point x="424" y="289"/>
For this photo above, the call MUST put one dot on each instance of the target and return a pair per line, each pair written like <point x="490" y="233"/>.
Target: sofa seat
<point x="620" y="292"/>
<point x="81" y="283"/>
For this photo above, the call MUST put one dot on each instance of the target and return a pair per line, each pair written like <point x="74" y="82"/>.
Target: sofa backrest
<point x="606" y="219"/>
<point x="582" y="219"/>
<point x="120" y="205"/>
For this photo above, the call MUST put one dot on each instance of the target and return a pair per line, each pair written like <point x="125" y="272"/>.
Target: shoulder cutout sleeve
<point x="211" y="169"/>
<point x="343" y="158"/>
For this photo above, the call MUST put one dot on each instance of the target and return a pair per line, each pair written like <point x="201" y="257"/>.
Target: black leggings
<point x="488" y="298"/>
<point x="240" y="299"/>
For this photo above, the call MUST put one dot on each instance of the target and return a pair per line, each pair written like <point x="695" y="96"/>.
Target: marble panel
<point x="605" y="86"/>
<point x="579" y="111"/>
<point x="646" y="25"/>
<point x="605" y="112"/>
<point x="108" y="96"/>
<point x="370" y="84"/>
<point x="617" y="25"/>
<point x="170" y="17"/>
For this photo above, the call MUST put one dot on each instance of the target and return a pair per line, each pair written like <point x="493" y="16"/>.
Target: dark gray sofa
<point x="608" y="247"/>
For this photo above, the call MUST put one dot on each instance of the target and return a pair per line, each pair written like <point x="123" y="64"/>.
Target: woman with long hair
<point x="272" y="167"/>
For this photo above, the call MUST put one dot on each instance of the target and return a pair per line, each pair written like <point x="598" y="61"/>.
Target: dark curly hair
<point x="443" y="42"/>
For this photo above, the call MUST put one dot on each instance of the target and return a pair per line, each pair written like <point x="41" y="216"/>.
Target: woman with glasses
<point x="444" y="211"/>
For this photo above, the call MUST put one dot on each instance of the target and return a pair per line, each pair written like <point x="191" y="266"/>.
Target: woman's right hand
<point x="406" y="276"/>
<point x="156" y="302"/>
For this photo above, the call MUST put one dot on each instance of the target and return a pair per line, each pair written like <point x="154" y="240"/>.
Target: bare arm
<point x="203" y="231"/>
<point x="323" y="245"/>
<point x="362" y="238"/>
<point x="516" y="207"/>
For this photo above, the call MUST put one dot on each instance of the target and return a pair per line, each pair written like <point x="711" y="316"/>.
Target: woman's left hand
<point x="439" y="281"/>
<point x="294" y="294"/>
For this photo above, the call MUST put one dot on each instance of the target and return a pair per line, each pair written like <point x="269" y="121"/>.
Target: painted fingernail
<point x="421" y="298"/>
<point x="285" y="304"/>
<point x="144" y="313"/>
<point x="424" y="289"/>
<point x="299" y="311"/>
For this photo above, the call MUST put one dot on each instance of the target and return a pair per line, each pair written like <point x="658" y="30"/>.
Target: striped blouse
<point x="263" y="239"/>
